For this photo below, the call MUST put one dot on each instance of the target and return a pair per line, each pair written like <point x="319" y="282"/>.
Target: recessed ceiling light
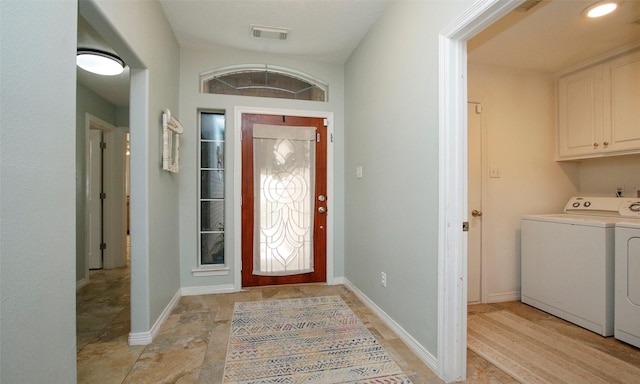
<point x="601" y="8"/>
<point x="99" y="62"/>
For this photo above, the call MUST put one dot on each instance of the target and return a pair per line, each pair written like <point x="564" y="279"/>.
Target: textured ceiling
<point x="554" y="35"/>
<point x="325" y="30"/>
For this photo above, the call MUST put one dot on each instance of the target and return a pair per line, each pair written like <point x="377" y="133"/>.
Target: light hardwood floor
<point x="191" y="345"/>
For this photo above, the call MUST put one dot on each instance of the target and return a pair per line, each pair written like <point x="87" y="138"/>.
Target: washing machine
<point x="567" y="261"/>
<point x="627" y="277"/>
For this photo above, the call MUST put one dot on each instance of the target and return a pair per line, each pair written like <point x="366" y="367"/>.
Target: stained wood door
<point x="256" y="244"/>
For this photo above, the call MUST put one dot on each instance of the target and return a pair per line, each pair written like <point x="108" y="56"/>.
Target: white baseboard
<point x="145" y="338"/>
<point x="140" y="338"/>
<point x="81" y="283"/>
<point x="412" y="343"/>
<point x="207" y="290"/>
<point x="504" y="296"/>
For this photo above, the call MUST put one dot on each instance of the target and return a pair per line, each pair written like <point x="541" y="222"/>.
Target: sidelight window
<point x="212" y="182"/>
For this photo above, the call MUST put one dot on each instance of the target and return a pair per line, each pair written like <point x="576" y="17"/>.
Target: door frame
<point x="452" y="185"/>
<point x="237" y="183"/>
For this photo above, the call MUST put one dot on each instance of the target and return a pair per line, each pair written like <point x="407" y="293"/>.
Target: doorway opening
<point x="103" y="297"/>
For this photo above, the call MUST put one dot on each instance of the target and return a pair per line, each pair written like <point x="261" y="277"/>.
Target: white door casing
<point x="452" y="112"/>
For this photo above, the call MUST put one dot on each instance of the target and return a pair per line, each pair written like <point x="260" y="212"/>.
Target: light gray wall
<point x="122" y="117"/>
<point x="86" y="102"/>
<point x="37" y="190"/>
<point x="140" y="33"/>
<point x="391" y="130"/>
<point x="195" y="61"/>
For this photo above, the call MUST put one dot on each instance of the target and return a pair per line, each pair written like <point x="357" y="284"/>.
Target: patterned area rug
<point x="532" y="354"/>
<point x="311" y="340"/>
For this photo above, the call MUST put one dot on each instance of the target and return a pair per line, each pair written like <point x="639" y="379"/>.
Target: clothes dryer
<point x="627" y="282"/>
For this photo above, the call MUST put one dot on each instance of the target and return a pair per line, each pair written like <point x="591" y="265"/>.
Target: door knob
<point x="322" y="209"/>
<point x="476" y="213"/>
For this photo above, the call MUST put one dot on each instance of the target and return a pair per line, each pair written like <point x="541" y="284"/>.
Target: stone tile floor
<point x="191" y="345"/>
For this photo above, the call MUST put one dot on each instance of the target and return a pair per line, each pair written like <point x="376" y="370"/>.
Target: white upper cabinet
<point x="622" y="98"/>
<point x="599" y="109"/>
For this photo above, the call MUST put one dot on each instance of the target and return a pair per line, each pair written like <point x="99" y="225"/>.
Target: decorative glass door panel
<point x="284" y="172"/>
<point x="284" y="168"/>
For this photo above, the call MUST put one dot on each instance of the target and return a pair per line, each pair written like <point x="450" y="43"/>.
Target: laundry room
<point x="516" y="71"/>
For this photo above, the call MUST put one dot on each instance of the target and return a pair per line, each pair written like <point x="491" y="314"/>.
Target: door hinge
<point x="103" y="246"/>
<point x="465" y="226"/>
<point x="103" y="145"/>
<point x="331" y="137"/>
<point x="318" y="137"/>
<point x="478" y="108"/>
<point x="103" y="195"/>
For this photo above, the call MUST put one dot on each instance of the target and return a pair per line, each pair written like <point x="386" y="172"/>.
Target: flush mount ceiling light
<point x="269" y="32"/>
<point x="601" y="8"/>
<point x="99" y="62"/>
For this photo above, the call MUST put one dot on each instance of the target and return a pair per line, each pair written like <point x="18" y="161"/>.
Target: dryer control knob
<point x="630" y="208"/>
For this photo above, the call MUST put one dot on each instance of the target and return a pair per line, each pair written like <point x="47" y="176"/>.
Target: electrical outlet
<point x="383" y="279"/>
<point x="620" y="191"/>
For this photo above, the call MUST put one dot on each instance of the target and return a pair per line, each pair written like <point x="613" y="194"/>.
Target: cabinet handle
<point x="595" y="145"/>
<point x="606" y="143"/>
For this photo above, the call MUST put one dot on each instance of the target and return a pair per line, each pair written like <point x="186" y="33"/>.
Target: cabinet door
<point x="580" y="113"/>
<point x="622" y="104"/>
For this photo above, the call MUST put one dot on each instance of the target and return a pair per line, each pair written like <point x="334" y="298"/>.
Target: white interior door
<point x="115" y="204"/>
<point x="474" y="251"/>
<point x="94" y="203"/>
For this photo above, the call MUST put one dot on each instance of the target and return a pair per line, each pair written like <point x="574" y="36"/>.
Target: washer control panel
<point x="604" y="206"/>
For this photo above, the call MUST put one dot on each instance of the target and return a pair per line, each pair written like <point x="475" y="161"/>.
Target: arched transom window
<point x="263" y="81"/>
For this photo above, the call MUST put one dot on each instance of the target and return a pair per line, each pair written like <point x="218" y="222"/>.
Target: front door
<point x="284" y="199"/>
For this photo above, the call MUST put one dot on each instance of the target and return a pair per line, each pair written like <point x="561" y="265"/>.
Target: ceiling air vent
<point x="269" y="32"/>
<point x="528" y="5"/>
